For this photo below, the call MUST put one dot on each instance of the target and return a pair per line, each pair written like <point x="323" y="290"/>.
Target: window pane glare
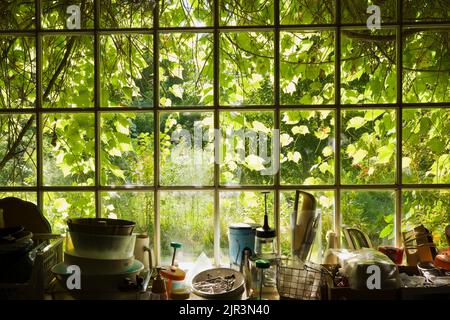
<point x="187" y="217"/>
<point x="187" y="148"/>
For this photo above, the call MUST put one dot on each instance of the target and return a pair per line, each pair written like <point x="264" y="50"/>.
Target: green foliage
<point x="307" y="67"/>
<point x="246" y="77"/>
<point x="308" y="155"/>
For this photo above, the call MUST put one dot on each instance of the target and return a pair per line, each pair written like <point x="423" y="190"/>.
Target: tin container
<point x="240" y="236"/>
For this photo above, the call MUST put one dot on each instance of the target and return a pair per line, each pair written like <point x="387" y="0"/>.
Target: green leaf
<point x="359" y="156"/>
<point x="327" y="151"/>
<point x="384" y="154"/>
<point x="253" y="162"/>
<point x="285" y="139"/>
<point x="122" y="129"/>
<point x="300" y="130"/>
<point x="387" y="231"/>
<point x="295" y="157"/>
<point x="259" y="126"/>
<point x="356" y="122"/>
<point x="436" y="145"/>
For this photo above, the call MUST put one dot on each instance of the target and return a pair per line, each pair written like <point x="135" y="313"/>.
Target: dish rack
<point x="299" y="281"/>
<point x="48" y="251"/>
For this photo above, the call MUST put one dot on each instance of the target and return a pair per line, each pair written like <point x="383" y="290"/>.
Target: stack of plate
<point x="103" y="250"/>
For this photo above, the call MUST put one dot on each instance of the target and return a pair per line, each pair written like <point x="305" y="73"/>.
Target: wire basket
<point x="299" y="281"/>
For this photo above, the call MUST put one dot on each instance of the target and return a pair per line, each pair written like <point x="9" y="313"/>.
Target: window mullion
<point x="156" y="164"/>
<point x="97" y="95"/>
<point x="337" y="152"/>
<point x="217" y="133"/>
<point x="399" y="58"/>
<point x="276" y="152"/>
<point x="38" y="106"/>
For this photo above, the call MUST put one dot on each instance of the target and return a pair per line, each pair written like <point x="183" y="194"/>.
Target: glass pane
<point x="244" y="12"/>
<point x="17" y="72"/>
<point x="126" y="14"/>
<point x="430" y="208"/>
<point x="373" y="212"/>
<point x="186" y="69"/>
<point x="307" y="67"/>
<point x="425" y="10"/>
<point x="187" y="148"/>
<point x="368" y="141"/>
<point x="368" y="69"/>
<point x="307" y="147"/>
<point x="325" y="202"/>
<point x="246" y="207"/>
<point x="246" y="68"/>
<point x="127" y="71"/>
<point x="17" y="14"/>
<point x="59" y="206"/>
<point x="307" y="11"/>
<point x="426" y="146"/>
<point x="247" y="141"/>
<point x="355" y="11"/>
<point x="426" y="66"/>
<point x="17" y="150"/>
<point x="127" y="148"/>
<point x="133" y="206"/>
<point x="68" y="71"/>
<point x="68" y="149"/>
<point x="57" y="13"/>
<point x="185" y="13"/>
<point x="26" y="196"/>
<point x="187" y="217"/>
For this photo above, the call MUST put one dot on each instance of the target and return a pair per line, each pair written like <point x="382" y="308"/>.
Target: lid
<point x="173" y="273"/>
<point x="176" y="245"/>
<point x="241" y="226"/>
<point x="263" y="233"/>
<point x="262" y="264"/>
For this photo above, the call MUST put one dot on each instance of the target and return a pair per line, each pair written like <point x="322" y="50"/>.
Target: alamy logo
<point x="240" y="146"/>
<point x="74" y="280"/>
<point x="74" y="20"/>
<point x="374" y="280"/>
<point x="374" y="21"/>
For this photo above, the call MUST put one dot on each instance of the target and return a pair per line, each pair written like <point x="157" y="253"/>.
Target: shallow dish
<point x="235" y="292"/>
<point x="100" y="285"/>
<point x="92" y="266"/>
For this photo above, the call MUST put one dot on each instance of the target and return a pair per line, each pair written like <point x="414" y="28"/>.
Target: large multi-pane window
<point x="178" y="114"/>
